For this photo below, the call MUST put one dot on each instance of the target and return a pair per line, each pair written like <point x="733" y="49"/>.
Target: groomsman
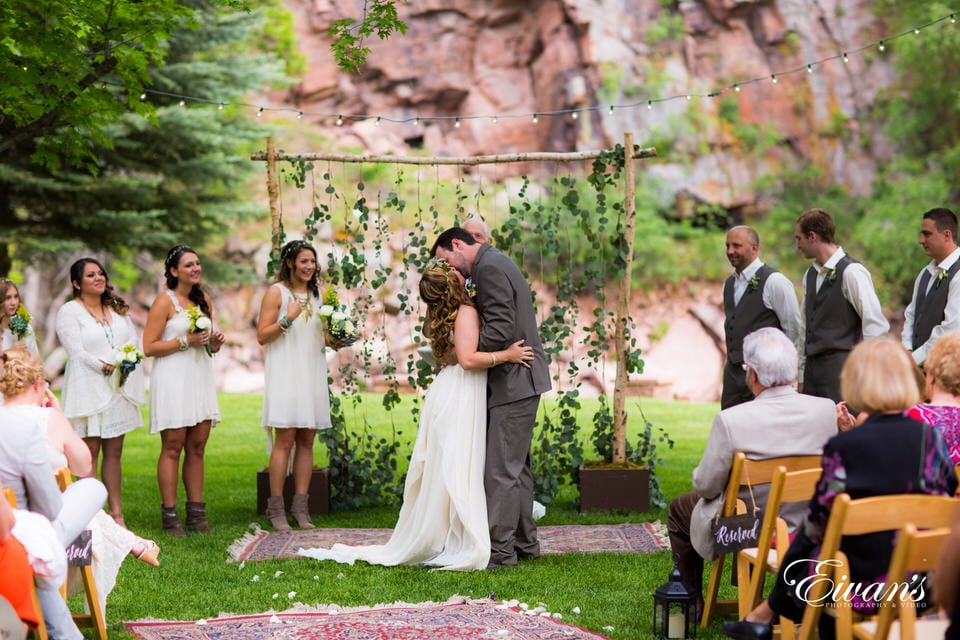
<point x="935" y="307"/>
<point x="840" y="306"/>
<point x="754" y="296"/>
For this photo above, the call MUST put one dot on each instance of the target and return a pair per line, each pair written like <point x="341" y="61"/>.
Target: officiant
<point x="777" y="422"/>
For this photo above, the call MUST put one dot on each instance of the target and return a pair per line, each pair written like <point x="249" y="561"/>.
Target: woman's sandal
<point x="149" y="550"/>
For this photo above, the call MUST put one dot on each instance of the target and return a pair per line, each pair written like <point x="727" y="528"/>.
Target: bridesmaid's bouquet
<point x="198" y="323"/>
<point x="340" y="330"/>
<point x="20" y="323"/>
<point x="125" y="361"/>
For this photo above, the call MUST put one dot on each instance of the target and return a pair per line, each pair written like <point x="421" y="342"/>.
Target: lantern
<point x="674" y="609"/>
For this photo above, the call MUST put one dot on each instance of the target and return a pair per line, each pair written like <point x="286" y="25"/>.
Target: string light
<point x="574" y="114"/>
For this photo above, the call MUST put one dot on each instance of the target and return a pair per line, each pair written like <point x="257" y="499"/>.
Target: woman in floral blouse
<point x="887" y="453"/>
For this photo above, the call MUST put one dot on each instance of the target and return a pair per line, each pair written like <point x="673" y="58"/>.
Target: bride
<point x="443" y="520"/>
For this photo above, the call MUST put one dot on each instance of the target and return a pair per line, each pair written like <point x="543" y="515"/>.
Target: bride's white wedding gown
<point x="443" y="520"/>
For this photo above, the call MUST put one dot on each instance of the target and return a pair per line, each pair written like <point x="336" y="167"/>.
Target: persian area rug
<point x="463" y="619"/>
<point x="643" y="537"/>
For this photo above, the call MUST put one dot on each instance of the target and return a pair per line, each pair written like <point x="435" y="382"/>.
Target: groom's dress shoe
<point x="744" y="630"/>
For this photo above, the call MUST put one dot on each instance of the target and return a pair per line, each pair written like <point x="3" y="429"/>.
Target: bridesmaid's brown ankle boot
<point x="277" y="514"/>
<point x="300" y="510"/>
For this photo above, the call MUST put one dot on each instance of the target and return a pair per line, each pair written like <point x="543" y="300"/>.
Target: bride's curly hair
<point x="444" y="294"/>
<point x="21" y="368"/>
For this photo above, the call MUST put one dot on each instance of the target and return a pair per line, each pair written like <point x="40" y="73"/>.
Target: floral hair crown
<point x="438" y="263"/>
<point x="294" y="246"/>
<point x="174" y="255"/>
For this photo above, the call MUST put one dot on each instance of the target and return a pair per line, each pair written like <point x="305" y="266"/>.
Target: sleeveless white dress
<point x="443" y="520"/>
<point x="295" y="393"/>
<point x="92" y="406"/>
<point x="182" y="391"/>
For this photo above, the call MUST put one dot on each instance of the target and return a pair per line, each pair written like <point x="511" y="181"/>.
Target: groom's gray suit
<point x="513" y="394"/>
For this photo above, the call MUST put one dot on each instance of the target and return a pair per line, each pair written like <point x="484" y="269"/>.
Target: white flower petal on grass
<point x="608" y="628"/>
<point x="291" y="595"/>
<point x="523" y="606"/>
<point x="340" y="576"/>
<point x="576" y="609"/>
<point x="242" y="565"/>
<point x="316" y="577"/>
<point x="557" y="616"/>
<point x="278" y="574"/>
<point x="275" y="620"/>
<point x="276" y="595"/>
<point x="255" y="578"/>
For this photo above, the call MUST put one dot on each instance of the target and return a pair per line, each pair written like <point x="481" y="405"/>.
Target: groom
<point x="513" y="392"/>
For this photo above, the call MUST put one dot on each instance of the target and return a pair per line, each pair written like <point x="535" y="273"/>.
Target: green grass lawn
<point x="613" y="591"/>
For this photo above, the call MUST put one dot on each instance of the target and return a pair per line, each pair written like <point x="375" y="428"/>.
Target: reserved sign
<point x="736" y="532"/>
<point x="80" y="551"/>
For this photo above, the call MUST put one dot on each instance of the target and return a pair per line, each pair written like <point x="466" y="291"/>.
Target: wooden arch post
<point x="623" y="306"/>
<point x="273" y="193"/>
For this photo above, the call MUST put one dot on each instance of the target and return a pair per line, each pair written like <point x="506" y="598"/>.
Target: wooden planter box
<point x="319" y="503"/>
<point x="614" y="489"/>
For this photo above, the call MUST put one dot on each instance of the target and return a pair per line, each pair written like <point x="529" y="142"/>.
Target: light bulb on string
<point x="773" y="78"/>
<point x="143" y="96"/>
<point x="953" y="19"/>
<point x="649" y="105"/>
<point x="535" y="119"/>
<point x="809" y="68"/>
<point x="611" y="110"/>
<point x="220" y="107"/>
<point x="259" y="112"/>
<point x="495" y="119"/>
<point x="736" y="87"/>
<point x="689" y="97"/>
<point x="574" y="115"/>
<point x="456" y="123"/>
<point x="339" y="121"/>
<point x="846" y="58"/>
<point x="182" y="102"/>
<point x="300" y="115"/>
<point x="882" y="46"/>
<point x="377" y="122"/>
<point x="916" y="31"/>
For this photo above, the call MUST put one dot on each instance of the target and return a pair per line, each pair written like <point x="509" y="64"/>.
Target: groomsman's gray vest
<point x="929" y="307"/>
<point x="832" y="322"/>
<point x="747" y="316"/>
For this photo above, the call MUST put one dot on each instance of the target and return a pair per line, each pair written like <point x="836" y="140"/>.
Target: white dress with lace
<point x="443" y="520"/>
<point x="89" y="400"/>
<point x="182" y="390"/>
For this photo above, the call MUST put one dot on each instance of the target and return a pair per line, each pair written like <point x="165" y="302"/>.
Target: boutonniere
<point x="470" y="287"/>
<point x="753" y="284"/>
<point x="941" y="276"/>
<point x="831" y="275"/>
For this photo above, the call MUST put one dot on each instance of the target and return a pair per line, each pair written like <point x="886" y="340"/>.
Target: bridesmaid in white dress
<point x="296" y="401"/>
<point x="9" y="303"/>
<point x="183" y="397"/>
<point x="443" y="520"/>
<point x="91" y="327"/>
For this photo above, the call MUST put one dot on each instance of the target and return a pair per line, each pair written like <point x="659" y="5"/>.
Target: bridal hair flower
<point x="438" y="263"/>
<point x="20" y="323"/>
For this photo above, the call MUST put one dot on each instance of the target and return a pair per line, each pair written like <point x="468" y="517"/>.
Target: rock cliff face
<point x="511" y="58"/>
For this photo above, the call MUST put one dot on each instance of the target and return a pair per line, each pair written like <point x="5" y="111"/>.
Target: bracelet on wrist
<point x="493" y="359"/>
<point x="284" y="323"/>
<point x="182" y="344"/>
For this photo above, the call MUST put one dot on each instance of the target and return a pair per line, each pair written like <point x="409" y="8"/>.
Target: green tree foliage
<point x="379" y="17"/>
<point x="103" y="164"/>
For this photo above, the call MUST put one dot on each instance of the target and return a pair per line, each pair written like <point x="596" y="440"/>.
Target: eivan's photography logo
<point x="838" y="590"/>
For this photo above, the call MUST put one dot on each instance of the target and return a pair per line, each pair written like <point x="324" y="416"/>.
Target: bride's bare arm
<point x="466" y="334"/>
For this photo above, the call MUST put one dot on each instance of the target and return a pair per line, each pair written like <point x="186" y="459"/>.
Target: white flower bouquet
<point x="125" y="361"/>
<point x="341" y="331"/>
<point x="199" y="322"/>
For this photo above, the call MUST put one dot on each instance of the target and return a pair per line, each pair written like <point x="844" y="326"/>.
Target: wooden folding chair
<point x="850" y="517"/>
<point x="915" y="551"/>
<point x="95" y="619"/>
<point x="40" y="633"/>
<point x="753" y="564"/>
<point x="743" y="472"/>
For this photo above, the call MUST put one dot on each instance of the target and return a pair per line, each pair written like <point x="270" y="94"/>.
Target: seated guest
<point x="942" y="371"/>
<point x="888" y="453"/>
<point x="946" y="578"/>
<point x="16" y="576"/>
<point x="777" y="422"/>
<point x="25" y="468"/>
